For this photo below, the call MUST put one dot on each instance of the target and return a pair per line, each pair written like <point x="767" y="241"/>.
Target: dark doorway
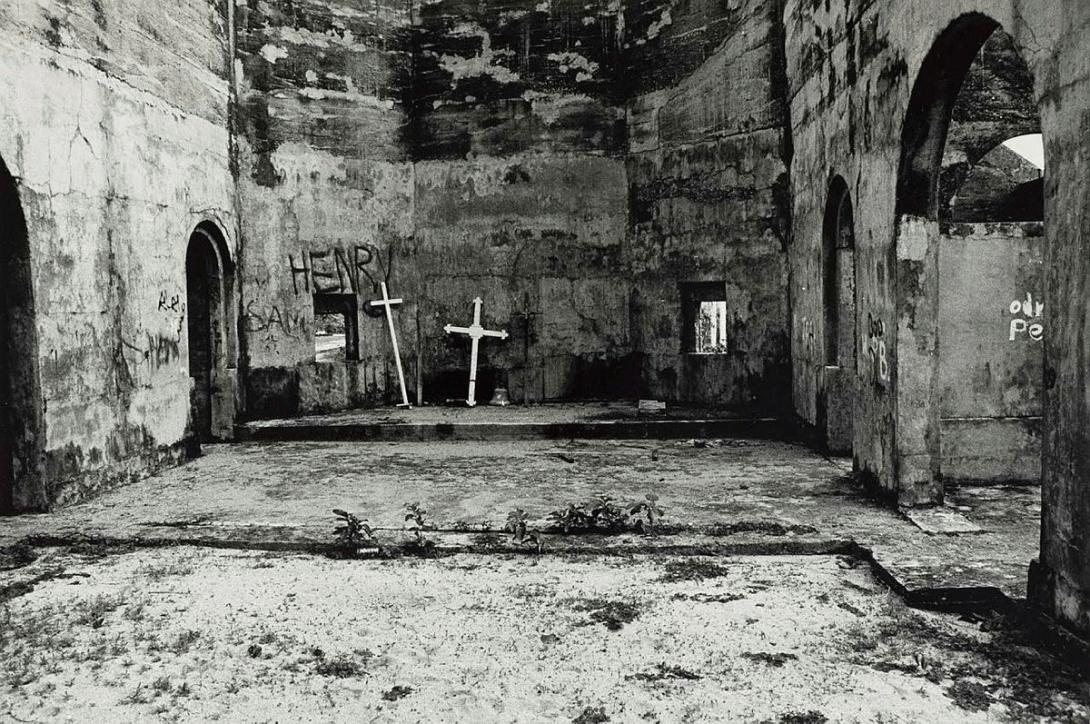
<point x="206" y="291"/>
<point x="20" y="392"/>
<point x="838" y="261"/>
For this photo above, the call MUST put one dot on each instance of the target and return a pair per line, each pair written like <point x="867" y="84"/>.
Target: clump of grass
<point x="340" y="667"/>
<point x="611" y="614"/>
<point x="93" y="612"/>
<point x="694" y="569"/>
<point x="184" y="641"/>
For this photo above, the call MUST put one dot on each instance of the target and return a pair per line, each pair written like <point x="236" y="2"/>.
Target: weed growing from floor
<point x="602" y="514"/>
<point x="351" y="533"/>
<point x="418" y="516"/>
<point x="649" y="507"/>
<point x="518" y="526"/>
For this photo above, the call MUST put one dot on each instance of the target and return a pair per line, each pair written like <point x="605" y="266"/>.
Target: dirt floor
<point x="202" y="635"/>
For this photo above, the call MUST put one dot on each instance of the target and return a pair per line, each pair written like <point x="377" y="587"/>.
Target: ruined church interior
<point x="795" y="292"/>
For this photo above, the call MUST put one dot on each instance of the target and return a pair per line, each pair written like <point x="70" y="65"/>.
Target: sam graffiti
<point x="336" y="270"/>
<point x="1028" y="321"/>
<point x="271" y="320"/>
<point x="874" y="346"/>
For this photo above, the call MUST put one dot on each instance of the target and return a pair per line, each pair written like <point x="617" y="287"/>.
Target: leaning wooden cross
<point x="475" y="332"/>
<point x="388" y="304"/>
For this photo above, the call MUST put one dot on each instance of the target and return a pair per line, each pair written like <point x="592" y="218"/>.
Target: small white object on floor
<point x="652" y="407"/>
<point x="942" y="521"/>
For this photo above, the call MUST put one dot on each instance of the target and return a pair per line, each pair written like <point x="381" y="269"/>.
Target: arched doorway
<point x="955" y="373"/>
<point x="836" y="406"/>
<point x="20" y="393"/>
<point x="208" y="292"/>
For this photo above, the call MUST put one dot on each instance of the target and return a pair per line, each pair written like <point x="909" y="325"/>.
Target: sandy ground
<point x="192" y="634"/>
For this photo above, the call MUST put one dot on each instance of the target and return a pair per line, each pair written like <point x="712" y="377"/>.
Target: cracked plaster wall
<point x="113" y="121"/>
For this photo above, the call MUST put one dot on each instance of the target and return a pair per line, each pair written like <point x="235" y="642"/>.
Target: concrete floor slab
<point x="747" y="492"/>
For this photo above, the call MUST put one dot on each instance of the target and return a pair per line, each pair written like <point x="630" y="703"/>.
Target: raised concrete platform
<point x="551" y="421"/>
<point x="721" y="497"/>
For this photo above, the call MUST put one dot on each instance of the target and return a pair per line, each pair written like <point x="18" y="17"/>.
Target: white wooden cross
<point x="475" y="332"/>
<point x="389" y="304"/>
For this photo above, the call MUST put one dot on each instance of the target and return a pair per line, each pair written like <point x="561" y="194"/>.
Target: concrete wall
<point x="113" y="121"/>
<point x="707" y="184"/>
<point x="500" y="163"/>
<point x="326" y="189"/>
<point x="991" y="342"/>
<point x="520" y="199"/>
<point x="851" y="73"/>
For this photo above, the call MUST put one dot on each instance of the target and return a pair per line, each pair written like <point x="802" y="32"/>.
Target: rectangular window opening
<point x="705" y="317"/>
<point x="336" y="327"/>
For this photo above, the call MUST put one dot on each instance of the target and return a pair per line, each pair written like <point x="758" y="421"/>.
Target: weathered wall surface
<point x="991" y="341"/>
<point x="325" y="183"/>
<point x="1062" y="583"/>
<point x="707" y="187"/>
<point x="520" y="197"/>
<point x="114" y="123"/>
<point x="494" y="165"/>
<point x="851" y="74"/>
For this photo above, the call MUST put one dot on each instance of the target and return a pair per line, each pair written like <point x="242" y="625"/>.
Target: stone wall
<point x="114" y="127"/>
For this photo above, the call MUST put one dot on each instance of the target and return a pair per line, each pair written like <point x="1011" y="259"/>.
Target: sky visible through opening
<point x="1031" y="148"/>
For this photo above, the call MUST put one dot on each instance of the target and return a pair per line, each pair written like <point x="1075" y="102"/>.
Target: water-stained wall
<point x="708" y="178"/>
<point x="113" y="123"/>
<point x="325" y="184"/>
<point x="851" y="69"/>
<point x="459" y="150"/>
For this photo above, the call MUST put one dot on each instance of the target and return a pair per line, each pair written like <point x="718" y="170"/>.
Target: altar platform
<point x="545" y="421"/>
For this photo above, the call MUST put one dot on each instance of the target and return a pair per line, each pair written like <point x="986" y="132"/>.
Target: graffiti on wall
<point x="1028" y="319"/>
<point x="335" y="270"/>
<point x="874" y="346"/>
<point x="269" y="318"/>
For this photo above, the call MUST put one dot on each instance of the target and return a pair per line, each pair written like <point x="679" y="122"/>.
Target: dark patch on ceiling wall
<point x="515" y="75"/>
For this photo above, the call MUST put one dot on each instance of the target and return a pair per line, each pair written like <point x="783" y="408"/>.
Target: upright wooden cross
<point x="475" y="332"/>
<point x="389" y="304"/>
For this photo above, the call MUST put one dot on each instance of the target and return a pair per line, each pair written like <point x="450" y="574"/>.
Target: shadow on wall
<point x="21" y="433"/>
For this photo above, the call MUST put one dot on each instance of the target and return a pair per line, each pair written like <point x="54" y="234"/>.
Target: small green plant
<point x="352" y="532"/>
<point x="418" y="516"/>
<point x="600" y="514"/>
<point x="518" y="526"/>
<point x="606" y="515"/>
<point x="572" y="518"/>
<point x="648" y="507"/>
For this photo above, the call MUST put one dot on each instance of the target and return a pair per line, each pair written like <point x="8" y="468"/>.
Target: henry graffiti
<point x="336" y="270"/>
<point x="1028" y="319"/>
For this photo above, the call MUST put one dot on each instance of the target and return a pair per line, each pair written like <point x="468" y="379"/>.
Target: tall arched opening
<point x="21" y="484"/>
<point x="836" y="404"/>
<point x="967" y="249"/>
<point x="209" y="291"/>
